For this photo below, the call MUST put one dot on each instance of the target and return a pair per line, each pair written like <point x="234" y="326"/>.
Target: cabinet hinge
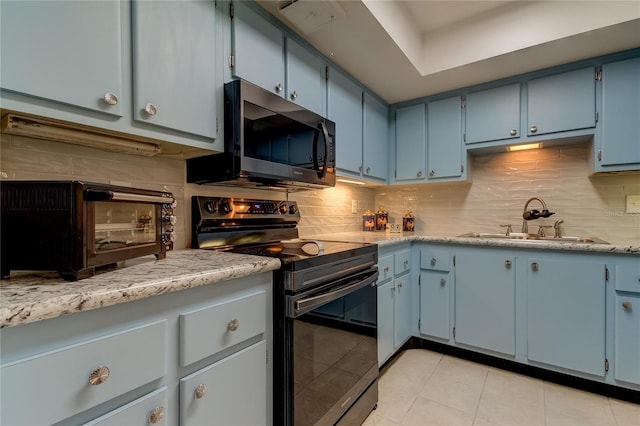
<point x="232" y="61"/>
<point x="231" y="10"/>
<point x="597" y="116"/>
<point x="461" y="168"/>
<point x="599" y="155"/>
<point x="464" y="137"/>
<point x="418" y="324"/>
<point x="217" y="125"/>
<point x="606" y="365"/>
<point x="463" y="102"/>
<point x="606" y="273"/>
<point x="267" y="352"/>
<point x="599" y="74"/>
<point x="454" y="332"/>
<point x="326" y="73"/>
<point x="419" y="281"/>
<point x="454" y="261"/>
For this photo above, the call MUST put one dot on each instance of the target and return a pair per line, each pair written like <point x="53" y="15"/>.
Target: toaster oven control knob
<point x="293" y="209"/>
<point x="170" y="218"/>
<point x="210" y="206"/>
<point x="283" y="208"/>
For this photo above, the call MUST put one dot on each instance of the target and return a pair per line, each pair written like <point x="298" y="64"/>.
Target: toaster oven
<point x="74" y="227"/>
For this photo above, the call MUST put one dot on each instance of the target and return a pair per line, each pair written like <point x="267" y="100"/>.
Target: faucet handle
<point x="541" y="232"/>
<point x="508" y="226"/>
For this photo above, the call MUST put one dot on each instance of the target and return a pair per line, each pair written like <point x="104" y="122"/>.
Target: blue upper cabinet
<point x="619" y="144"/>
<point x="174" y="75"/>
<point x="258" y="49"/>
<point x="306" y="78"/>
<point x="562" y="102"/>
<point x="344" y="107"/>
<point x="260" y="56"/>
<point x="444" y="139"/>
<point x="376" y="137"/>
<point x="411" y="142"/>
<point x="67" y="52"/>
<point x="493" y="114"/>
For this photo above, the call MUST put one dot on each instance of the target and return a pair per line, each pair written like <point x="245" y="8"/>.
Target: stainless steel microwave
<point x="269" y="142"/>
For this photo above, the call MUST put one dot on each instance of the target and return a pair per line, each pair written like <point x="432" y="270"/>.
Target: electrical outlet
<point x="633" y="204"/>
<point x="354" y="206"/>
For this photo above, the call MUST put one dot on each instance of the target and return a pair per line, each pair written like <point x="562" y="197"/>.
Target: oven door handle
<point x="104" y="195"/>
<point x="308" y="304"/>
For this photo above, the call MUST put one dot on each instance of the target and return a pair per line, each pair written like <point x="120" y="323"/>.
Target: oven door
<point x="333" y="350"/>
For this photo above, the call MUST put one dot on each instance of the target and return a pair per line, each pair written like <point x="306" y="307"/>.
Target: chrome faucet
<point x="533" y="214"/>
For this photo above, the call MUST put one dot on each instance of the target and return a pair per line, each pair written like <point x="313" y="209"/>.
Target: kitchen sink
<point x="534" y="238"/>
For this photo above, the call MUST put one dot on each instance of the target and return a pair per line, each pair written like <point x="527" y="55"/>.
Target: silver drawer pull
<point x="156" y="415"/>
<point x="627" y="306"/>
<point x="233" y="325"/>
<point x="507" y="263"/>
<point x="110" y="98"/>
<point x="433" y="261"/>
<point x="99" y="375"/>
<point x="534" y="266"/>
<point x="201" y="391"/>
<point x="150" y="109"/>
<point x="442" y="281"/>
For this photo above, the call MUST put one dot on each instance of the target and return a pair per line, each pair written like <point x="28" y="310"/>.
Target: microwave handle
<point x="105" y="195"/>
<point x="326" y="150"/>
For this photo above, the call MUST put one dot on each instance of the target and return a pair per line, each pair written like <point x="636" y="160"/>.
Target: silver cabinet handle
<point x="443" y="281"/>
<point x="368" y="170"/>
<point x="419" y="174"/>
<point x="150" y="109"/>
<point x="279" y="87"/>
<point x="433" y="261"/>
<point x="386" y="269"/>
<point x="534" y="266"/>
<point x="99" y="375"/>
<point x="399" y="285"/>
<point x="432" y="173"/>
<point x="294" y="95"/>
<point x="110" y="98"/>
<point x="513" y="132"/>
<point x="627" y="306"/>
<point x="533" y="129"/>
<point x="156" y="415"/>
<point x="233" y="325"/>
<point x="507" y="263"/>
<point x="200" y="391"/>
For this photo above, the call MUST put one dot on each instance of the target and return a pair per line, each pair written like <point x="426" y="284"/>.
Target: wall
<point x="502" y="183"/>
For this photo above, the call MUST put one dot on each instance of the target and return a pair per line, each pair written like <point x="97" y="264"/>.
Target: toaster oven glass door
<point x="119" y="225"/>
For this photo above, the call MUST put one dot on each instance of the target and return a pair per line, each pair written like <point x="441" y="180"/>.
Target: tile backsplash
<point x="501" y="185"/>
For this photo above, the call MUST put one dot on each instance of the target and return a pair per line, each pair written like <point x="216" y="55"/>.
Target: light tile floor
<point x="421" y="387"/>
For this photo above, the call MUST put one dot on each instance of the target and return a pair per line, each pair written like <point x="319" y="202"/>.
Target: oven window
<point x="334" y="356"/>
<point x="119" y="225"/>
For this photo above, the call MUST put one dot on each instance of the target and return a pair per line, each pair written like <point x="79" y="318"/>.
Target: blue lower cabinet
<point x="485" y="301"/>
<point x="627" y="337"/>
<point x="566" y="314"/>
<point x="385" y="320"/>
<point x="434" y="304"/>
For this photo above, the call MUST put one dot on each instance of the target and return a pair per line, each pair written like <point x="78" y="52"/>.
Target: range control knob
<point x="210" y="206"/>
<point x="224" y="207"/>
<point x="293" y="209"/>
<point x="283" y="208"/>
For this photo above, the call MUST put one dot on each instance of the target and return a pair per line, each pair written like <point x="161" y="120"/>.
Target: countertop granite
<point x="30" y="297"/>
<point x="33" y="297"/>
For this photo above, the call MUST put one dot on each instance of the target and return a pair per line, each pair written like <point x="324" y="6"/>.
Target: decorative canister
<point x="407" y="222"/>
<point x="382" y="218"/>
<point x="368" y="221"/>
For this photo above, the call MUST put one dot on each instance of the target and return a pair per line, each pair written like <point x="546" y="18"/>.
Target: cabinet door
<point x="386" y="292"/>
<point x="493" y="114"/>
<point x="566" y="314"/>
<point x="174" y="65"/>
<point x="345" y="109"/>
<point x="258" y="49"/>
<point x="434" y="304"/>
<point x="620" y="113"/>
<point x="402" y="310"/>
<point x="230" y="392"/>
<point x="444" y="140"/>
<point x="306" y="78"/>
<point x="64" y="51"/>
<point x="627" y="338"/>
<point x="410" y="142"/>
<point x="375" y="142"/>
<point x="562" y="102"/>
<point x="485" y="301"/>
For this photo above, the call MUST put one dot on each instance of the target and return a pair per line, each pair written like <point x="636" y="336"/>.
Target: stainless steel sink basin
<point x="534" y="238"/>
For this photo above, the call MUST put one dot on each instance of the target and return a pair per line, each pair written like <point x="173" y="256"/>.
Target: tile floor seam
<point x="475" y="412"/>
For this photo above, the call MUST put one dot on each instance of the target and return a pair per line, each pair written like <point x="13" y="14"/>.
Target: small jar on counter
<point x="382" y="218"/>
<point x="408" y="222"/>
<point x="368" y="221"/>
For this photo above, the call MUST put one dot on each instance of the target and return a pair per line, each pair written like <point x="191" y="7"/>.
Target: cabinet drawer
<point x="628" y="278"/>
<point x="57" y="383"/>
<point x="385" y="268"/>
<point x="402" y="262"/>
<point x="232" y="391"/>
<point x="150" y="409"/>
<point x="435" y="259"/>
<point x="208" y="330"/>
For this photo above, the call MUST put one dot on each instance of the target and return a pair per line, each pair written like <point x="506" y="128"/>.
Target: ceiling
<point x="409" y="49"/>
